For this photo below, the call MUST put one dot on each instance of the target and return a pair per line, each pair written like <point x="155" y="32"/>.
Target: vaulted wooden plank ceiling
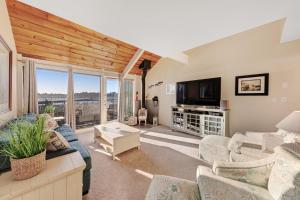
<point x="42" y="35"/>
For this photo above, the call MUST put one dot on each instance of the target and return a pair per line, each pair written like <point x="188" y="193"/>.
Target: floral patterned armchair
<point x="274" y="178"/>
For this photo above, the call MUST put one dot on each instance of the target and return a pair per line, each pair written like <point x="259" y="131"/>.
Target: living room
<point x="143" y="104"/>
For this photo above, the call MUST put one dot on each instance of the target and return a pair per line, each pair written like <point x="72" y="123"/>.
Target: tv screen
<point x="205" y="92"/>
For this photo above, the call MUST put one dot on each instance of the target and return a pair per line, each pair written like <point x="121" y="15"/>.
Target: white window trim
<point x="104" y="75"/>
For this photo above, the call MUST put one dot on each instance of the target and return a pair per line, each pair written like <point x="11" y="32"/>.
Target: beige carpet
<point x="128" y="178"/>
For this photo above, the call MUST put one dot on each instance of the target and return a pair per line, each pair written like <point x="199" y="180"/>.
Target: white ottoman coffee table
<point x="116" y="137"/>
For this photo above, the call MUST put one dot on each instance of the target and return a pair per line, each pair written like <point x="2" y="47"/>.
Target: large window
<point x="112" y="96"/>
<point x="52" y="90"/>
<point x="87" y="100"/>
<point x="128" y="99"/>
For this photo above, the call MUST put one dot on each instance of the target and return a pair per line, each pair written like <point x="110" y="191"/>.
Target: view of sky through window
<point x="51" y="81"/>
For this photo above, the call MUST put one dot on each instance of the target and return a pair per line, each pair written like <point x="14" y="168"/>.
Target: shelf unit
<point x="200" y="121"/>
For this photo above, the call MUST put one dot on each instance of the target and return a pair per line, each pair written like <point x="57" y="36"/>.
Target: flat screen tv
<point x="205" y="92"/>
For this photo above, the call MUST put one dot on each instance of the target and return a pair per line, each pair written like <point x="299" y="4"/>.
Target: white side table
<point x="132" y="121"/>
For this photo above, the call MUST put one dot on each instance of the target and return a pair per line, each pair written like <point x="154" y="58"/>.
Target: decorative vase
<point x="28" y="167"/>
<point x="51" y="114"/>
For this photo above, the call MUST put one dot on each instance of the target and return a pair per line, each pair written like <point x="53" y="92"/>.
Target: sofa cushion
<point x="71" y="138"/>
<point x="30" y="117"/>
<point x="165" y="187"/>
<point x="248" y="154"/>
<point x="66" y="131"/>
<point x="252" y="172"/>
<point x="84" y="153"/>
<point x="284" y="181"/>
<point x="56" y="141"/>
<point x="50" y="122"/>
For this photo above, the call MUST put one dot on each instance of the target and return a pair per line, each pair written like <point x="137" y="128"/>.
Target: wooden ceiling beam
<point x="132" y="62"/>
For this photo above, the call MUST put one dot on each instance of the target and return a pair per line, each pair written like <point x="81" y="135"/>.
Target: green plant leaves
<point x="25" y="139"/>
<point x="49" y="109"/>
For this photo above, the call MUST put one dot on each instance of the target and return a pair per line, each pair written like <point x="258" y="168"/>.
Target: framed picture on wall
<point x="252" y="85"/>
<point x="5" y="76"/>
<point x="171" y="88"/>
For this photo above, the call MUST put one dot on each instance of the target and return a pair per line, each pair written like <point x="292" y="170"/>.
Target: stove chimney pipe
<point x="145" y="66"/>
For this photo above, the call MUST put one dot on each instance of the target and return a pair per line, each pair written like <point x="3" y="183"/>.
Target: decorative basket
<point x="132" y="121"/>
<point x="28" y="167"/>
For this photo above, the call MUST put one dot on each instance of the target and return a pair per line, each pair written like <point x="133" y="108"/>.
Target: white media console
<point x="200" y="121"/>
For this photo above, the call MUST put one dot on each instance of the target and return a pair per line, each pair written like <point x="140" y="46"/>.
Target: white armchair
<point x="274" y="178"/>
<point x="241" y="147"/>
<point x="142" y="115"/>
<point x="214" y="187"/>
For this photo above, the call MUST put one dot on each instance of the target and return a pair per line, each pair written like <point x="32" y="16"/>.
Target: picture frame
<point x="252" y="85"/>
<point x="5" y="77"/>
<point x="170" y="88"/>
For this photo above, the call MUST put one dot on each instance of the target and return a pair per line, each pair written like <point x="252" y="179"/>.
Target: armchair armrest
<point x="213" y="187"/>
<point x="252" y="172"/>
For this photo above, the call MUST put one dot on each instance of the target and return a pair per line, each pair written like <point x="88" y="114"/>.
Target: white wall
<point x="251" y="52"/>
<point x="7" y="35"/>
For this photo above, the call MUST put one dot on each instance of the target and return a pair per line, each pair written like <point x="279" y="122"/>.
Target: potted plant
<point x="50" y="109"/>
<point x="26" y="147"/>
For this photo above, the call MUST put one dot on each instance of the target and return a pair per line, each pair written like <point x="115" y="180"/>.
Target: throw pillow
<point x="284" y="181"/>
<point x="252" y="172"/>
<point x="50" y="123"/>
<point x="56" y="141"/>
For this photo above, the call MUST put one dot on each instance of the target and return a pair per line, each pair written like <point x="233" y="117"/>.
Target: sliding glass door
<point x="112" y="98"/>
<point x="86" y="99"/>
<point x="53" y="87"/>
<point x="52" y="90"/>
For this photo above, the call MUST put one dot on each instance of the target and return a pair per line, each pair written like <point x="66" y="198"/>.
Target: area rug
<point x="128" y="178"/>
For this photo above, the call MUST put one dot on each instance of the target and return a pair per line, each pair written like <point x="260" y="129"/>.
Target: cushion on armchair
<point x="67" y="132"/>
<point x="214" y="187"/>
<point x="253" y="172"/>
<point x="284" y="181"/>
<point x="248" y="154"/>
<point x="238" y="140"/>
